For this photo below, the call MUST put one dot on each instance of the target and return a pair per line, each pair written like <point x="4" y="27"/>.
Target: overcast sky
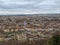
<point x="29" y="6"/>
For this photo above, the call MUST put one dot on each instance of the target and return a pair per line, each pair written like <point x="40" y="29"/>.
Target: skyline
<point x="29" y="6"/>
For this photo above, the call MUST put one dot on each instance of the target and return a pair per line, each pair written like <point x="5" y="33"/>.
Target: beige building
<point x="21" y="37"/>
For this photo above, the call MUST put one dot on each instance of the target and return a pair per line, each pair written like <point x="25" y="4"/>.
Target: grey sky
<point x="30" y="6"/>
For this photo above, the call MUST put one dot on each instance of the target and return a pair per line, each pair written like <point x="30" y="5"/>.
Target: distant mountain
<point x="56" y="14"/>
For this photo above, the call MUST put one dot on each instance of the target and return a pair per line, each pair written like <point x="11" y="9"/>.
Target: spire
<point x="25" y="23"/>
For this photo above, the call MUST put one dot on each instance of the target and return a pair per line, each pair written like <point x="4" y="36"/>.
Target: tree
<point x="55" y="40"/>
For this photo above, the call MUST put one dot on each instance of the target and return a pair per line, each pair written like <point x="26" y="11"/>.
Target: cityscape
<point x="28" y="30"/>
<point x="29" y="22"/>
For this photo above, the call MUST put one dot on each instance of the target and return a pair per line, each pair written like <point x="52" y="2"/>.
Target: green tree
<point x="55" y="40"/>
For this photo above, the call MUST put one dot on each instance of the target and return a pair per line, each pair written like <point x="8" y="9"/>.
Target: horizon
<point x="46" y="14"/>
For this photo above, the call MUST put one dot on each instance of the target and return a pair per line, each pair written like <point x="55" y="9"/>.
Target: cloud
<point x="30" y="5"/>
